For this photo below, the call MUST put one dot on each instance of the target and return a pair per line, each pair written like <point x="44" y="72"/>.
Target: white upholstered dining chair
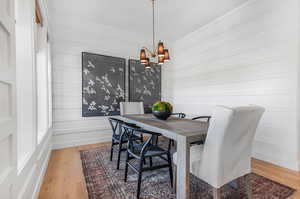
<point x="226" y="154"/>
<point x="131" y="108"/>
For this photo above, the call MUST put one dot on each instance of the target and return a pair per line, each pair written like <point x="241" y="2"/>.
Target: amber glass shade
<point x="147" y="64"/>
<point x="161" y="60"/>
<point x="166" y="55"/>
<point x="147" y="61"/>
<point x="161" y="49"/>
<point x="143" y="56"/>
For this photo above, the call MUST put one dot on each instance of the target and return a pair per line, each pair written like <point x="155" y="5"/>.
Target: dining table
<point x="183" y="131"/>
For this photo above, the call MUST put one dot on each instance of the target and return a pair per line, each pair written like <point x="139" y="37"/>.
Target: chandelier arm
<point x="149" y="51"/>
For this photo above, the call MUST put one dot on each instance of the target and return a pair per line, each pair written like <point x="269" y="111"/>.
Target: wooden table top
<point x="172" y="127"/>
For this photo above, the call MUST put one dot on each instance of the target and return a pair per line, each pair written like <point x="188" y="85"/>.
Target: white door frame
<point x="8" y="152"/>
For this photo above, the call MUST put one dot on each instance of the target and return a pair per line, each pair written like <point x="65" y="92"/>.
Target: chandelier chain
<point x="153" y="25"/>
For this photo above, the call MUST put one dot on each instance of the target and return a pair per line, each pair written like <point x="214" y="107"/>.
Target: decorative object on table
<point x="147" y="55"/>
<point x="162" y="110"/>
<point x="103" y="84"/>
<point x="144" y="84"/>
<point x="103" y="180"/>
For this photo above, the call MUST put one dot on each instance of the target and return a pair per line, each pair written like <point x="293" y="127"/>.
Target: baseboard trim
<point x="79" y="138"/>
<point x="27" y="182"/>
<point x="57" y="132"/>
<point x="273" y="160"/>
<point x="73" y="143"/>
<point x="42" y="174"/>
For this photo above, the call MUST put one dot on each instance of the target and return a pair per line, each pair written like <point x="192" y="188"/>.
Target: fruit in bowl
<point x="162" y="110"/>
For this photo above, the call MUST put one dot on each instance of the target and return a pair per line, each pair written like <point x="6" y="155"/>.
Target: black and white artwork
<point x="144" y="84"/>
<point x="103" y="84"/>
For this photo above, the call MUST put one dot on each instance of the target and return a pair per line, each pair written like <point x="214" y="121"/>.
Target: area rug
<point x="104" y="181"/>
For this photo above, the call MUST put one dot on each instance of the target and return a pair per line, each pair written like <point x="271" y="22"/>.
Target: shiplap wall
<point x="69" y="127"/>
<point x="248" y="56"/>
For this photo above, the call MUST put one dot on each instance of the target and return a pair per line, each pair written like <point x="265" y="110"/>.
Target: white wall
<point x="68" y="42"/>
<point x="248" y="56"/>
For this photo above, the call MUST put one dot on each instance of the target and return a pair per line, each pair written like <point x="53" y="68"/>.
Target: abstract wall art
<point x="103" y="84"/>
<point x="144" y="84"/>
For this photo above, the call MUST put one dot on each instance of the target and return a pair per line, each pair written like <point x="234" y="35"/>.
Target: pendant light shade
<point x="166" y="55"/>
<point x="143" y="56"/>
<point x="147" y="64"/>
<point x="161" y="60"/>
<point x="161" y="49"/>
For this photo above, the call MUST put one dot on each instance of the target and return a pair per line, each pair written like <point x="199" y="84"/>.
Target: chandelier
<point x="157" y="52"/>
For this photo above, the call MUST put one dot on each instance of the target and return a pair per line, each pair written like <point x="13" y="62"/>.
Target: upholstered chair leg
<point x="216" y="193"/>
<point x="234" y="184"/>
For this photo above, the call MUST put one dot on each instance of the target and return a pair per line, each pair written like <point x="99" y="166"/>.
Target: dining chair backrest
<point x="228" y="147"/>
<point x="115" y="125"/>
<point x="132" y="131"/>
<point x="131" y="108"/>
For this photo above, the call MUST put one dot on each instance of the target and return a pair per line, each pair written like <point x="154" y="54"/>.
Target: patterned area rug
<point x="104" y="181"/>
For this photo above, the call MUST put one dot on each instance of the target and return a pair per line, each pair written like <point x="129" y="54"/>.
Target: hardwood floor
<point x="64" y="178"/>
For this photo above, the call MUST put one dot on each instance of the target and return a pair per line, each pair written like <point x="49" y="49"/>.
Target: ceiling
<point x="175" y="18"/>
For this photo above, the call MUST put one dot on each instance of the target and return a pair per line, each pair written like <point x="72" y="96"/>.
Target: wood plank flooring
<point x="64" y="178"/>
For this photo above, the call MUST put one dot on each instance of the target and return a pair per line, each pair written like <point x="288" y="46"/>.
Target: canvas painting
<point x="144" y="84"/>
<point x="103" y="84"/>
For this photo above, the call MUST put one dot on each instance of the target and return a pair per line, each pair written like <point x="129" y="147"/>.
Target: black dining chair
<point x="138" y="152"/>
<point x="207" y="118"/>
<point x="120" y="138"/>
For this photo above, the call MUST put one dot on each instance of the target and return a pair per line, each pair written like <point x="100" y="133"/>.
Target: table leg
<point x="183" y="168"/>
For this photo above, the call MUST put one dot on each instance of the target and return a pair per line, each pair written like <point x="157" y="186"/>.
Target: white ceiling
<point x="175" y="18"/>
